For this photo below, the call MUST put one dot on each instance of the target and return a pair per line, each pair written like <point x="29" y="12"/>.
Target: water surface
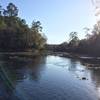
<point x="47" y="78"/>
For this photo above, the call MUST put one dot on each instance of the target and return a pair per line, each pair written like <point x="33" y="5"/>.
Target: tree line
<point x="16" y="35"/>
<point x="89" y="46"/>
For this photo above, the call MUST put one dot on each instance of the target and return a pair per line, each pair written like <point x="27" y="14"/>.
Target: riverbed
<point x="48" y="78"/>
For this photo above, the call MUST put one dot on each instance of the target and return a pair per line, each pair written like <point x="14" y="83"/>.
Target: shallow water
<point x="47" y="78"/>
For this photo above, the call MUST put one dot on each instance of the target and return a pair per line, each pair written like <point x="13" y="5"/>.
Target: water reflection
<point x="72" y="65"/>
<point x="47" y="78"/>
<point x="13" y="71"/>
<point x="94" y="70"/>
<point x="95" y="77"/>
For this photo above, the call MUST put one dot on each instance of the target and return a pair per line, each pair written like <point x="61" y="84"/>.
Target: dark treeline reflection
<point x="72" y="65"/>
<point x="14" y="70"/>
<point x="95" y="76"/>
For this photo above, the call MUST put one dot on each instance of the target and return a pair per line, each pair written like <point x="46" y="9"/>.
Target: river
<point x="47" y="78"/>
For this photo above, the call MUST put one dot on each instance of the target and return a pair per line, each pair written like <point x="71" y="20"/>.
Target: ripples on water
<point x="47" y="78"/>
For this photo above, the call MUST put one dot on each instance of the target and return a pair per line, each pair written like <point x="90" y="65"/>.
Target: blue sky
<point x="58" y="17"/>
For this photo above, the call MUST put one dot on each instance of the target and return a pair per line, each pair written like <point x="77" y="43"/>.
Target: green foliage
<point x="0" y="10"/>
<point x="16" y="35"/>
<point x="36" y="26"/>
<point x="39" y="39"/>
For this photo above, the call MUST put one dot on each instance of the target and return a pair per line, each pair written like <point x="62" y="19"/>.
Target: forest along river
<point x="47" y="78"/>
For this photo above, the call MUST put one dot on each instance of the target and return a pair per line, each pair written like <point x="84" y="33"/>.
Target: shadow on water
<point x="13" y="70"/>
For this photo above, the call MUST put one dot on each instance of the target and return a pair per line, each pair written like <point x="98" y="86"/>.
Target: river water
<point x="47" y="78"/>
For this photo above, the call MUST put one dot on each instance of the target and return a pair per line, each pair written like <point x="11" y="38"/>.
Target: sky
<point x="58" y="17"/>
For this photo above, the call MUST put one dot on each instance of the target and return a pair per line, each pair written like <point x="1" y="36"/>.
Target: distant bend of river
<point x="47" y="78"/>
